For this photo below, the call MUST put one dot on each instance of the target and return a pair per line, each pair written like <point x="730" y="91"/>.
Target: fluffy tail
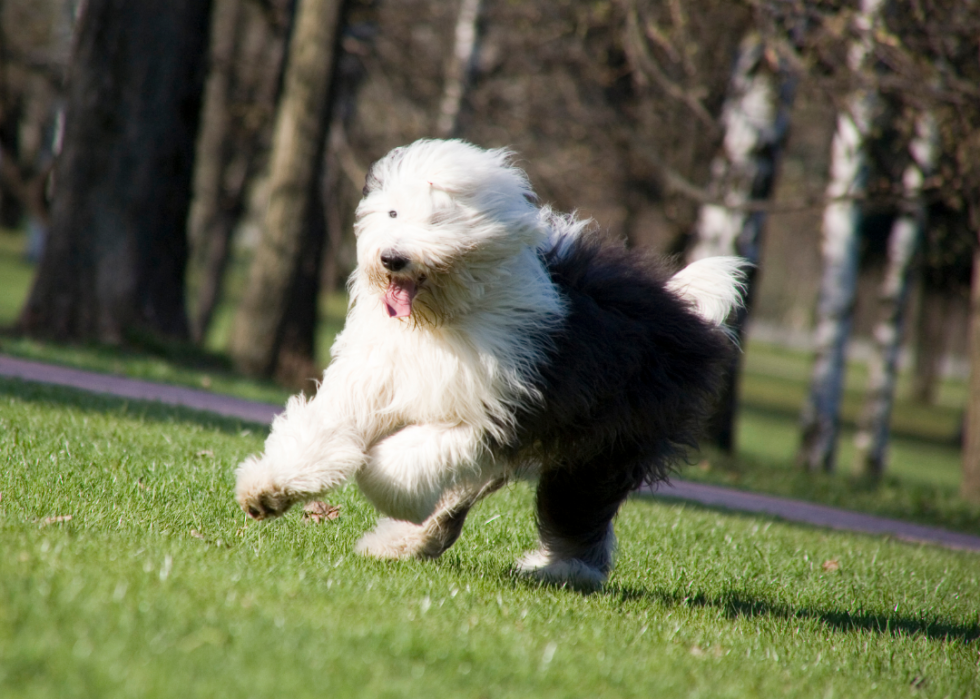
<point x="714" y="285"/>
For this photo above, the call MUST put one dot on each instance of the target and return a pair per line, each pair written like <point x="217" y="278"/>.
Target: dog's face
<point x="437" y="219"/>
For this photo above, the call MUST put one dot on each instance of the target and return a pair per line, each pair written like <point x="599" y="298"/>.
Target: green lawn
<point x="158" y="587"/>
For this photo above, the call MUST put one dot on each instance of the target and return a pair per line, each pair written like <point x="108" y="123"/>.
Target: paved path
<point x="710" y="495"/>
<point x="137" y="389"/>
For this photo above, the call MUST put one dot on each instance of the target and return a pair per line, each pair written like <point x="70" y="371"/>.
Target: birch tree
<point x="839" y="247"/>
<point x="904" y="239"/>
<point x="262" y="318"/>
<point x="755" y="119"/>
<point x="459" y="68"/>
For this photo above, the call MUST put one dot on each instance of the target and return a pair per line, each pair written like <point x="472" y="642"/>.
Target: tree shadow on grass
<point x="736" y="604"/>
<point x="154" y="411"/>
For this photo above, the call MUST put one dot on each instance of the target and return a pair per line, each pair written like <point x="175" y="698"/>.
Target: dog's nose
<point x="393" y="262"/>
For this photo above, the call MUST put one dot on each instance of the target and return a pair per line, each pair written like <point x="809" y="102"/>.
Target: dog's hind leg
<point x="393" y="538"/>
<point x="575" y="506"/>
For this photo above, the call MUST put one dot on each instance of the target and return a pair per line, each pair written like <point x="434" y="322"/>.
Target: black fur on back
<point x="627" y="386"/>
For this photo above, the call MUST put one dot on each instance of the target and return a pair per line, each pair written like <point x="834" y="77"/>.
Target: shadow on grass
<point x="125" y="407"/>
<point x="737" y="604"/>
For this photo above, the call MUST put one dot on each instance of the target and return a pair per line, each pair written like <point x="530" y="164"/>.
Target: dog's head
<point x="437" y="222"/>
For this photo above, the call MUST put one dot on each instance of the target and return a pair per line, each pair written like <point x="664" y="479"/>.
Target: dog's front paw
<point x="258" y="493"/>
<point x="393" y="539"/>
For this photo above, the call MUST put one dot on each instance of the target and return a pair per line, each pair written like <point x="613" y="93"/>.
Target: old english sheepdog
<point x="489" y="338"/>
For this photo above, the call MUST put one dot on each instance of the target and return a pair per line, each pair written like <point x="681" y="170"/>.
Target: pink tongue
<point x="398" y="298"/>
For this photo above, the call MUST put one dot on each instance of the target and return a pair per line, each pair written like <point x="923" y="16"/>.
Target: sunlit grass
<point x="157" y="587"/>
<point x="16" y="274"/>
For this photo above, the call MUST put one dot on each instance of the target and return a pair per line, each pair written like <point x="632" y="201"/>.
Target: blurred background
<point x="178" y="179"/>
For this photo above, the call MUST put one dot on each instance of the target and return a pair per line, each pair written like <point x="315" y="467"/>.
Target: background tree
<point x="459" y="68"/>
<point x="285" y="269"/>
<point x="840" y="238"/>
<point x="115" y="259"/>
<point x="905" y="239"/>
<point x="246" y="57"/>
<point x="756" y="122"/>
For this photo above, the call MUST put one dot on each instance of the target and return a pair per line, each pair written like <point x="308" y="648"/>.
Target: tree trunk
<point x="246" y="67"/>
<point x="970" y="485"/>
<point x="931" y="333"/>
<point x="210" y="223"/>
<point x="298" y="143"/>
<point x="841" y="233"/>
<point x="756" y="121"/>
<point x="115" y="259"/>
<point x="906" y="235"/>
<point x="458" y="69"/>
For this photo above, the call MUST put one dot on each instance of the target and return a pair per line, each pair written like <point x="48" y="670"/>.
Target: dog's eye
<point x="393" y="213"/>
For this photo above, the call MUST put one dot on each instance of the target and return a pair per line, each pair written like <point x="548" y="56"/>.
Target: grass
<point x="157" y="587"/>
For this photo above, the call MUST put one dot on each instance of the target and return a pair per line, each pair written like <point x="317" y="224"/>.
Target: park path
<point x="706" y="495"/>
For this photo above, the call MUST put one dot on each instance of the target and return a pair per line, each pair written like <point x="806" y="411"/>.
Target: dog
<point x="490" y="338"/>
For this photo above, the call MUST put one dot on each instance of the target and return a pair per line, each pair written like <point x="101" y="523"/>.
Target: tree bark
<point x="905" y="238"/>
<point x="756" y="122"/>
<point x="931" y="334"/>
<point x="211" y="217"/>
<point x="298" y="143"/>
<point x="970" y="485"/>
<point x="115" y="258"/>
<point x="459" y="68"/>
<point x="246" y="67"/>
<point x="840" y="247"/>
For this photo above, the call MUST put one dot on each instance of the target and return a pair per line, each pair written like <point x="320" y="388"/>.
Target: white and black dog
<point x="488" y="338"/>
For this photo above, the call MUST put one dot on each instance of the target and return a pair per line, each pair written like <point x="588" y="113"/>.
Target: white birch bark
<point x="906" y="234"/>
<point x="459" y="68"/>
<point x="755" y="119"/>
<point x="841" y="225"/>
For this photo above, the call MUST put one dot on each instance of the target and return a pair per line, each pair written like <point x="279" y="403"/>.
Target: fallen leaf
<point x="317" y="512"/>
<point x="54" y="520"/>
<point x="831" y="565"/>
<point x="205" y="452"/>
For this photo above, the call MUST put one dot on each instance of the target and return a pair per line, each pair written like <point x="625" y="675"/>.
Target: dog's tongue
<point x="398" y="298"/>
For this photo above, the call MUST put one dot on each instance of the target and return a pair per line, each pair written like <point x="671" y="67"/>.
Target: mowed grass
<point x="158" y="587"/>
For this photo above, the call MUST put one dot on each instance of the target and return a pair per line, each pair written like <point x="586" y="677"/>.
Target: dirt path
<point x="708" y="495"/>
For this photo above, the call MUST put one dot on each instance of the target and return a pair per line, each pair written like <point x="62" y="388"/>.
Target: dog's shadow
<point x="737" y="604"/>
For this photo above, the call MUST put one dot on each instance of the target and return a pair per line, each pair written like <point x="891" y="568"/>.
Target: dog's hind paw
<point x="570" y="572"/>
<point x="393" y="539"/>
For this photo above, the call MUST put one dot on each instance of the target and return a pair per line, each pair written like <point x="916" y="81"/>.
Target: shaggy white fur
<point x="452" y="314"/>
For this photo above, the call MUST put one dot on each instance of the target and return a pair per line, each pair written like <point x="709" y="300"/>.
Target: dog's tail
<point x="713" y="285"/>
